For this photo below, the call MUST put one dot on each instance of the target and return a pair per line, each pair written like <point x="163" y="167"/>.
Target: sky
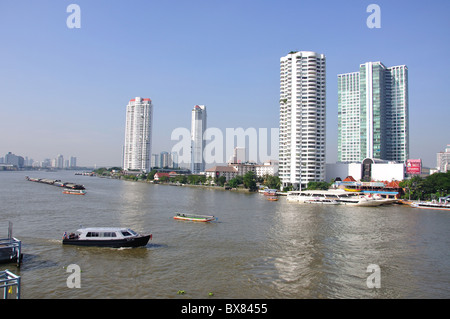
<point x="65" y="90"/>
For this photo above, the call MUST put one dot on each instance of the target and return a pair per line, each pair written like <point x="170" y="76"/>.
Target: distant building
<point x="373" y="120"/>
<point x="198" y="127"/>
<point x="73" y="162"/>
<point x="138" y="135"/>
<point x="443" y="160"/>
<point x="59" y="161"/>
<point x="267" y="168"/>
<point x="243" y="168"/>
<point x="370" y="169"/>
<point x="239" y="155"/>
<point x="158" y="176"/>
<point x="218" y="171"/>
<point x="155" y="161"/>
<point x="14" y="160"/>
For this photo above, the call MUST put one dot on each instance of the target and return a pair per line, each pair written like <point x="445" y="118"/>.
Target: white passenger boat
<point x="106" y="237"/>
<point x="333" y="197"/>
<point x="432" y="205"/>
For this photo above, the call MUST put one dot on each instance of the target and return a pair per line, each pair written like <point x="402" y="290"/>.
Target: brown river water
<point x="256" y="249"/>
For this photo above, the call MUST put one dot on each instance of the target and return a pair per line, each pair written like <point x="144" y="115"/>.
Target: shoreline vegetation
<point x="249" y="183"/>
<point x="415" y="188"/>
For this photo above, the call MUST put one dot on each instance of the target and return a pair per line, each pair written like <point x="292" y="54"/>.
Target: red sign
<point x="414" y="166"/>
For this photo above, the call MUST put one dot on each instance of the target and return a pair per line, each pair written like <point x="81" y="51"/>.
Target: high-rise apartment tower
<point x="302" y="119"/>
<point x="373" y="113"/>
<point x="198" y="127"/>
<point x="138" y="135"/>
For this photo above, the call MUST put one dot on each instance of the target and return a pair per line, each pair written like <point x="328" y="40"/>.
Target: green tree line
<point x="427" y="188"/>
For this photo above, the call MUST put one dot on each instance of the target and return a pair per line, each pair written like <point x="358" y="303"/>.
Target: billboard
<point x="414" y="166"/>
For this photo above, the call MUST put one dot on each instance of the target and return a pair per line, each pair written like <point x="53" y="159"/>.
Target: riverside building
<point x="373" y="120"/>
<point x="138" y="135"/>
<point x="302" y="119"/>
<point x="198" y="127"/>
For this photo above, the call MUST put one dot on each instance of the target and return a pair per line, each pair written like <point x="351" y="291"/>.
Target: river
<point x="256" y="249"/>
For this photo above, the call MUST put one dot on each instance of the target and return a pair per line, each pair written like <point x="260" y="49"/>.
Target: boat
<point x="431" y="205"/>
<point x="330" y="196"/>
<point x="74" y="191"/>
<point x="113" y="237"/>
<point x="273" y="198"/>
<point x="270" y="192"/>
<point x="322" y="201"/>
<point x="351" y="189"/>
<point x="55" y="182"/>
<point x="194" y="218"/>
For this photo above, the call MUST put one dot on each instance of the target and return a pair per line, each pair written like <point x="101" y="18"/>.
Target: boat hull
<point x="431" y="206"/>
<point x="112" y="243"/>
<point x="74" y="192"/>
<point x="192" y="219"/>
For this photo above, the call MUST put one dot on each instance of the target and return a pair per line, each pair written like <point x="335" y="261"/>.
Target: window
<point x="125" y="233"/>
<point x="109" y="234"/>
<point x="92" y="234"/>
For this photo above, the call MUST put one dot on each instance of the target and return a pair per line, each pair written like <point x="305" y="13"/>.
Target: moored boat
<point x="270" y="192"/>
<point x="194" y="217"/>
<point x="431" y="205"/>
<point x="113" y="237"/>
<point x="329" y="196"/>
<point x="322" y="201"/>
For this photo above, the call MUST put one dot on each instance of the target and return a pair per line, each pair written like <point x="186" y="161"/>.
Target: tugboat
<point x="113" y="237"/>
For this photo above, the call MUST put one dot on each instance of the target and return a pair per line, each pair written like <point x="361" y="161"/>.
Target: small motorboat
<point x="113" y="237"/>
<point x="194" y="218"/>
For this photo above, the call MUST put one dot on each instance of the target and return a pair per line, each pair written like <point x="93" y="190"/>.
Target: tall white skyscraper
<point x="373" y="119"/>
<point x="198" y="127"/>
<point x="302" y="118"/>
<point x="138" y="135"/>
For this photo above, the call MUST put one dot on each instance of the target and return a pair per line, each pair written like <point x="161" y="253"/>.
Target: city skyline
<point x="72" y="94"/>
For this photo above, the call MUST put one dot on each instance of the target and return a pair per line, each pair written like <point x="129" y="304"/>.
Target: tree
<point x="151" y="175"/>
<point x="221" y="180"/>
<point x="164" y="179"/>
<point x="272" y="182"/>
<point x="233" y="183"/>
<point x="318" y="185"/>
<point x="250" y="181"/>
<point x="436" y="185"/>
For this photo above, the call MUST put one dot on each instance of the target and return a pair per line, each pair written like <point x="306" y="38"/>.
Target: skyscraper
<point x="373" y="113"/>
<point x="198" y="127"/>
<point x="138" y="135"/>
<point x="302" y="118"/>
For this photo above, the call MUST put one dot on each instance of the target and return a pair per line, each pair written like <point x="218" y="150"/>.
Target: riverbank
<point x="214" y="187"/>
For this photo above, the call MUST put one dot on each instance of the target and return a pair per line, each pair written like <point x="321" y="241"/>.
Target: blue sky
<point x="64" y="91"/>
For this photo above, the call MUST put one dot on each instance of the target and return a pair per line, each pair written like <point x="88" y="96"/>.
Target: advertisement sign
<point x="413" y="166"/>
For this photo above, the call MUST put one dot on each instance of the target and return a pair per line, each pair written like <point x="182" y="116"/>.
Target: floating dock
<point x="8" y="281"/>
<point x="10" y="248"/>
